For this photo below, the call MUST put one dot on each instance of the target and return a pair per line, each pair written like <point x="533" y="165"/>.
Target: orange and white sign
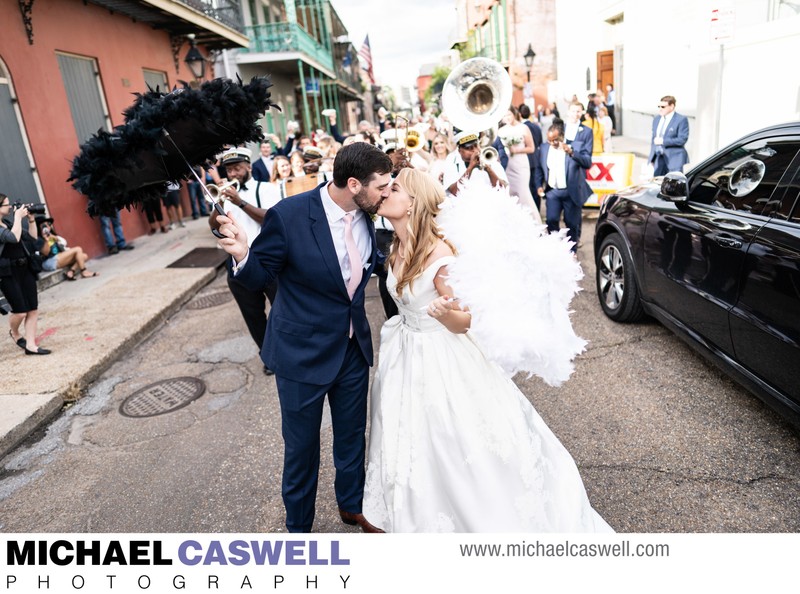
<point x="609" y="173"/>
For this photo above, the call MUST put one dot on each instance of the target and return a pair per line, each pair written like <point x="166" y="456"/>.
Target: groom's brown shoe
<point x="353" y="519"/>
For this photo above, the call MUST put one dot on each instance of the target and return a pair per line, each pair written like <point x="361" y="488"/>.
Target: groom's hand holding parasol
<point x="163" y="137"/>
<point x="233" y="239"/>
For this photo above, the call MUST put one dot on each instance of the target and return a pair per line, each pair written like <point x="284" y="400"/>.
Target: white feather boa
<point x="516" y="279"/>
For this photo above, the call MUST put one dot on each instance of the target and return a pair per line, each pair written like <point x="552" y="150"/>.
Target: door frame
<point x="5" y="78"/>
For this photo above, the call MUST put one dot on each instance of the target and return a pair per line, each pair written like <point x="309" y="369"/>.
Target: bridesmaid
<point x="518" y="168"/>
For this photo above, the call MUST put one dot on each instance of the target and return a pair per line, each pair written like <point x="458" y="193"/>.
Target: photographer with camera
<point x="18" y="239"/>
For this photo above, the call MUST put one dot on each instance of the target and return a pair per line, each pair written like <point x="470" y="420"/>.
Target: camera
<point x="34" y="209"/>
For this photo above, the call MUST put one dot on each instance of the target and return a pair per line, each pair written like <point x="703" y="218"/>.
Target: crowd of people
<point x="398" y="173"/>
<point x="321" y="250"/>
<point x="312" y="256"/>
<point x="318" y="344"/>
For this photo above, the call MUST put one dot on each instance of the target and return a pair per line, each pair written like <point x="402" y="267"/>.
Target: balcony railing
<point x="351" y="79"/>
<point x="349" y="76"/>
<point x="227" y="12"/>
<point x="287" y="37"/>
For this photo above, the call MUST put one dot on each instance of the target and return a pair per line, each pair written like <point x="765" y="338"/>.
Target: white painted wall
<point x="667" y="49"/>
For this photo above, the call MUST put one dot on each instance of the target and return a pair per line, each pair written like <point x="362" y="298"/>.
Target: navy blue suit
<point x="502" y="156"/>
<point x="259" y="170"/>
<point x="571" y="198"/>
<point x="671" y="155"/>
<point x="308" y="347"/>
<point x="533" y="158"/>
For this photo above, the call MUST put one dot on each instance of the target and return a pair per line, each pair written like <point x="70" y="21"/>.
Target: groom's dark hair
<point x="360" y="160"/>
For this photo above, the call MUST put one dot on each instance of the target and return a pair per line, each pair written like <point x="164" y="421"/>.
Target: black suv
<point x="715" y="256"/>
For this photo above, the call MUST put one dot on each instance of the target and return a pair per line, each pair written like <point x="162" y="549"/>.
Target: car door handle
<point x="728" y="242"/>
<point x="730" y="224"/>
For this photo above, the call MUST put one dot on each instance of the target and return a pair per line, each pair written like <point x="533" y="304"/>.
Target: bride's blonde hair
<point x="423" y="231"/>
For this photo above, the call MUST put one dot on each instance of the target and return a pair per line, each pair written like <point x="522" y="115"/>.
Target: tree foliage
<point x="434" y="91"/>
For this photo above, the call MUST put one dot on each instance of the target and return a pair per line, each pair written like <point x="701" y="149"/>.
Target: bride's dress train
<point x="454" y="445"/>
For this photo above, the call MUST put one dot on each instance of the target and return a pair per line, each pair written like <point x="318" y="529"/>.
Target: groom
<point x="320" y="246"/>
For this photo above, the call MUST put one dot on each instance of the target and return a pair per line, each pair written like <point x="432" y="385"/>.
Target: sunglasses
<point x="662" y="106"/>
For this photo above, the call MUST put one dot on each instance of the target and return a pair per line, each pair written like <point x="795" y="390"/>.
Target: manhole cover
<point x="210" y="300"/>
<point x="162" y="397"/>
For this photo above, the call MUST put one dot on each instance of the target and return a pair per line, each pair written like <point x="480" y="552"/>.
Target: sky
<point x="403" y="34"/>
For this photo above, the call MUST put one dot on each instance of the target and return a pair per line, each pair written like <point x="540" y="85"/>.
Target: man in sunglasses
<point x="670" y="133"/>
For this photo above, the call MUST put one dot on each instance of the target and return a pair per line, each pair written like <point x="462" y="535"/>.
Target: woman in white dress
<point x="518" y="142"/>
<point x="454" y="445"/>
<point x="440" y="149"/>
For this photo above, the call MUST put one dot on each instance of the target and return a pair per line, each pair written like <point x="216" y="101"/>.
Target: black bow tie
<point x="242" y="187"/>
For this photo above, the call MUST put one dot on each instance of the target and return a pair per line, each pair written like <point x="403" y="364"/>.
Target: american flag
<point x="366" y="55"/>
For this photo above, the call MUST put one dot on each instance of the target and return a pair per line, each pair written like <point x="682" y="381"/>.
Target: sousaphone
<point x="476" y="94"/>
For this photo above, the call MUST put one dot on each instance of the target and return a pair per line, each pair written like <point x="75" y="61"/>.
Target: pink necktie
<point x="356" y="267"/>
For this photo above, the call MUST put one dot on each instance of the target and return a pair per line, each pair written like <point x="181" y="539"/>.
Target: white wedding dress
<point x="454" y="445"/>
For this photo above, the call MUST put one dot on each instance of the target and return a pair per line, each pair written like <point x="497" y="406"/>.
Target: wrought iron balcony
<point x="227" y="12"/>
<point x="349" y="76"/>
<point x="216" y="24"/>
<point x="277" y="38"/>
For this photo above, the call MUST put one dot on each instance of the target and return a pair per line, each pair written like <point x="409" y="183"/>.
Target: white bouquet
<point x="509" y="136"/>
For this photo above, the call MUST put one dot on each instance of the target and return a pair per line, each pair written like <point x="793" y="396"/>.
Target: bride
<point x="454" y="445"/>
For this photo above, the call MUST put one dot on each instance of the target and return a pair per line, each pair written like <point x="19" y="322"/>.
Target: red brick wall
<point x="122" y="48"/>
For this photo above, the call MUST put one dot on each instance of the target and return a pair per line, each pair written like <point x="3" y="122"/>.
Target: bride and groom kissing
<point x="454" y="445"/>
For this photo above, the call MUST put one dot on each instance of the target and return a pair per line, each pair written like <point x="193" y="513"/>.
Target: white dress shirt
<point x="556" y="168"/>
<point x="456" y="167"/>
<point x="270" y="196"/>
<point x="571" y="130"/>
<point x="267" y="161"/>
<point x="663" y="124"/>
<point x="335" y="215"/>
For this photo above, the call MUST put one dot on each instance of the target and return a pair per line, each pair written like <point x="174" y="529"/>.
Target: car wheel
<point x="616" y="287"/>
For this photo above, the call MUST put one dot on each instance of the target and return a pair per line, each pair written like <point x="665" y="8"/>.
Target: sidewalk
<point x="626" y="144"/>
<point x="90" y="323"/>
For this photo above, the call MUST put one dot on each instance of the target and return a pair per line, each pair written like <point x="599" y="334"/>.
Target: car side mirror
<point x="674" y="187"/>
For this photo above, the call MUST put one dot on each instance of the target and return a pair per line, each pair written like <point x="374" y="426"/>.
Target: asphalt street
<point x="663" y="440"/>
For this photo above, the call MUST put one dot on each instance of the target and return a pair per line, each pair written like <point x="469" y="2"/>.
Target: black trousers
<point x="253" y="305"/>
<point x="384" y="239"/>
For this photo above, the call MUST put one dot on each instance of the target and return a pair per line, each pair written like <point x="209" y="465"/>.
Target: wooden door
<point x="605" y="69"/>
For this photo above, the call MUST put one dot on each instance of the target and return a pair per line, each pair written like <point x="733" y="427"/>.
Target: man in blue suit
<point x="670" y="133"/>
<point x="263" y="164"/>
<point x="561" y="175"/>
<point x="533" y="158"/>
<point x="320" y="246"/>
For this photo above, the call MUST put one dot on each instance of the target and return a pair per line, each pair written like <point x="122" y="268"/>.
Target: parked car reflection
<point x="715" y="256"/>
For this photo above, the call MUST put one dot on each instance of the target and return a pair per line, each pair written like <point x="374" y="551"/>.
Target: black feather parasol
<point x="163" y="135"/>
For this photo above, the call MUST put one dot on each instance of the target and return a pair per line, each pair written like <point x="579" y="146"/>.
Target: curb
<point x="29" y="412"/>
<point x="42" y="408"/>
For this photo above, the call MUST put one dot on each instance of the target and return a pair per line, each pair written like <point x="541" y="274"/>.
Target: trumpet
<point x="413" y="140"/>
<point x="488" y="156"/>
<point x="215" y="192"/>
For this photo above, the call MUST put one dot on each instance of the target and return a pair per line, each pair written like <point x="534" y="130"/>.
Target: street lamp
<point x="195" y="60"/>
<point x="529" y="56"/>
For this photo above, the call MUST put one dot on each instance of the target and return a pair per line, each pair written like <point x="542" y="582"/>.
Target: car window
<point x="744" y="179"/>
<point x="790" y="205"/>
